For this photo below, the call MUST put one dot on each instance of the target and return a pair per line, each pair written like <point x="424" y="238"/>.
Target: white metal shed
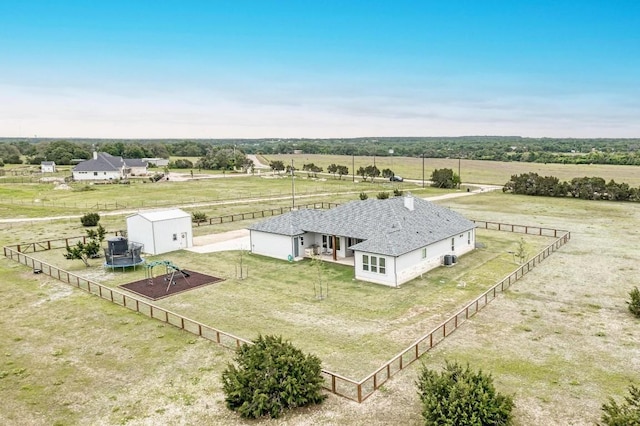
<point x="161" y="231"/>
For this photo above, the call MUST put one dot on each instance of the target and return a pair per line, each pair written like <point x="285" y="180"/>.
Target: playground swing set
<point x="170" y="272"/>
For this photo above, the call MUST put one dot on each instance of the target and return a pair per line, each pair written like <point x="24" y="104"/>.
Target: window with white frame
<point x="374" y="264"/>
<point x="469" y="237"/>
<point x="424" y="252"/>
<point x="453" y="244"/>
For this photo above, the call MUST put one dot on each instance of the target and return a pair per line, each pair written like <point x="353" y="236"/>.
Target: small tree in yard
<point x="521" y="251"/>
<point x="634" y="304"/>
<point x="382" y="195"/>
<point x="198" y="217"/>
<point x="270" y="377"/>
<point x="90" y="249"/>
<point x="90" y="219"/>
<point x="458" y="396"/>
<point x="626" y="414"/>
<point x="363" y="196"/>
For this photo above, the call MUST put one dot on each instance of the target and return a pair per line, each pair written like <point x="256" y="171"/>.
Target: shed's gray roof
<point x="103" y="163"/>
<point x="387" y="227"/>
<point x="48" y="163"/>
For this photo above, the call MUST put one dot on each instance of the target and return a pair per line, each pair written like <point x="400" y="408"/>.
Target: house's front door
<point x="296" y="248"/>
<point x="183" y="240"/>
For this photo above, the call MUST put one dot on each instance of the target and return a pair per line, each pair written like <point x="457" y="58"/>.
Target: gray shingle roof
<point x="387" y="226"/>
<point x="290" y="224"/>
<point x="135" y="162"/>
<point x="104" y="163"/>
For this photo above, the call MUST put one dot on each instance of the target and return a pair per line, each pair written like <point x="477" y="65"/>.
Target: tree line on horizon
<point x="490" y="148"/>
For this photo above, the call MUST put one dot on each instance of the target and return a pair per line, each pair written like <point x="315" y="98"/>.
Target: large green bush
<point x="458" y="396"/>
<point x="634" y="303"/>
<point x="626" y="414"/>
<point x="271" y="376"/>
<point x="90" y="219"/>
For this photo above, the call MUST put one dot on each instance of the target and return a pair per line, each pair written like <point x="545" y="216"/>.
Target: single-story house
<point x="48" y="167"/>
<point x="160" y="231"/>
<point x="104" y="166"/>
<point x="391" y="241"/>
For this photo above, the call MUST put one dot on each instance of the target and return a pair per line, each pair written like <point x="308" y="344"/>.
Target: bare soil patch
<point x="167" y="285"/>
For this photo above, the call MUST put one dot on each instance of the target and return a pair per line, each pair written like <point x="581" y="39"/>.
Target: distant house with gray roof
<point x="48" y="166"/>
<point x="390" y="241"/>
<point x="104" y="166"/>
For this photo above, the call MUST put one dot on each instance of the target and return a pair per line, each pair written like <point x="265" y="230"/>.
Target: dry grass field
<point x="471" y="171"/>
<point x="560" y="340"/>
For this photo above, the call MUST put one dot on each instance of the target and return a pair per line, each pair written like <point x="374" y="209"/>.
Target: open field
<point x="43" y="199"/>
<point x="471" y="171"/>
<point x="560" y="340"/>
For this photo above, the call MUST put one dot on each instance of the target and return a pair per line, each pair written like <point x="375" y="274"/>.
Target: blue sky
<point x="323" y="68"/>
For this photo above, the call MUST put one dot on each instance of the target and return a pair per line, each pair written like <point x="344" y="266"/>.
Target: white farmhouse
<point x="389" y="241"/>
<point x="104" y="166"/>
<point x="48" y="166"/>
<point x="161" y="231"/>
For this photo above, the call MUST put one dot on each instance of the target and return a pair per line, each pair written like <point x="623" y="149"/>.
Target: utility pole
<point x="353" y="168"/>
<point x="293" y="189"/>
<point x="423" y="170"/>
<point x="459" y="177"/>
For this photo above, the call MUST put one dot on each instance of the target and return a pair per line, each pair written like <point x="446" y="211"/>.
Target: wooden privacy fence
<point x="262" y="213"/>
<point x="340" y="385"/>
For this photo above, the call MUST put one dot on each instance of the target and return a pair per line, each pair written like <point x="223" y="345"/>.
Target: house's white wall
<point x="273" y="245"/>
<point x="411" y="265"/>
<point x="139" y="230"/>
<point x="158" y="237"/>
<point x="112" y="175"/>
<point x="46" y="168"/>
<point x="388" y="278"/>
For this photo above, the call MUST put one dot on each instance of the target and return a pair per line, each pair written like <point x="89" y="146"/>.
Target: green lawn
<point x="355" y="329"/>
<point x="43" y="199"/>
